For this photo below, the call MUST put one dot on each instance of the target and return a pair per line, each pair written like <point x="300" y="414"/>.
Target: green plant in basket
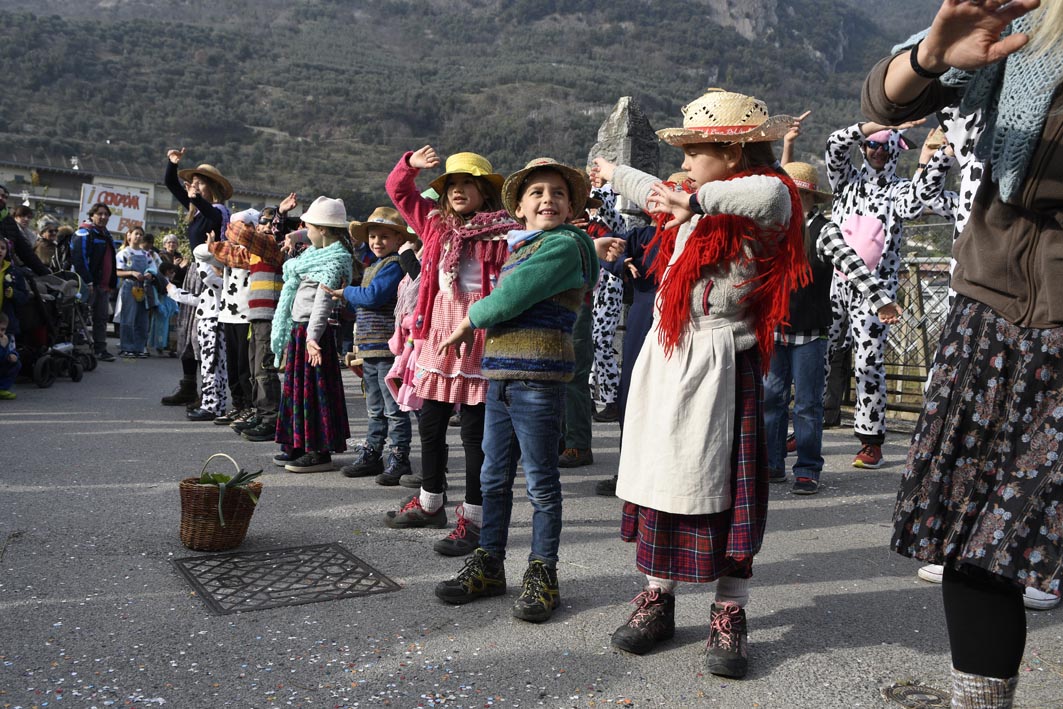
<point x="229" y="482"/>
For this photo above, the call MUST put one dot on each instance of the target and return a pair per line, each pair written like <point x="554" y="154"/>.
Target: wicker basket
<point x="200" y="528"/>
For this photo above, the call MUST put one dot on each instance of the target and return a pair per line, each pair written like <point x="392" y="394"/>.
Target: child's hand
<point x="604" y="169"/>
<point x="890" y="314"/>
<point x="795" y="128"/>
<point x="407" y="246"/>
<point x="609" y="248"/>
<point x="425" y="158"/>
<point x="462" y="339"/>
<point x="313" y="353"/>
<point x="630" y="265"/>
<point x="211" y="237"/>
<point x="336" y="293"/>
<point x="288" y="203"/>
<point x="175" y="155"/>
<point x="665" y="200"/>
<point x="12" y="357"/>
<point x="595" y="175"/>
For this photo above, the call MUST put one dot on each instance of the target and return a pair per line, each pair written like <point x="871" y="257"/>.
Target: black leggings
<point x="986" y="621"/>
<point x="435" y="417"/>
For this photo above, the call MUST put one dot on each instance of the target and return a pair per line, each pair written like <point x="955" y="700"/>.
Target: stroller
<point x="56" y="341"/>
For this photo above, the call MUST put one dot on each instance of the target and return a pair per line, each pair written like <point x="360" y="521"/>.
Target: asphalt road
<point x="93" y="613"/>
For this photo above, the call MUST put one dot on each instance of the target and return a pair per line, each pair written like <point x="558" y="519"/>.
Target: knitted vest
<point x="810" y="305"/>
<point x="537" y="344"/>
<point x="375" y="326"/>
<point x="264" y="289"/>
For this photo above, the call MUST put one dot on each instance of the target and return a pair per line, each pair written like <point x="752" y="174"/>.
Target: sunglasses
<point x="265" y="220"/>
<point x="874" y="145"/>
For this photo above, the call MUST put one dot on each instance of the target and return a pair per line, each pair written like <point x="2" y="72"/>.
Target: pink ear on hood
<point x="883" y="136"/>
<point x="867" y="237"/>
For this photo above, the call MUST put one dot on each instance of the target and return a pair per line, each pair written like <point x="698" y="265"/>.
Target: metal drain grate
<point x="913" y="695"/>
<point x="273" y="578"/>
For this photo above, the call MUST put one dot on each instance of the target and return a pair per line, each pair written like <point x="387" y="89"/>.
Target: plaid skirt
<point x="186" y="314"/>
<point x="983" y="483"/>
<point x="702" y="548"/>
<point x="312" y="416"/>
<point x="448" y="378"/>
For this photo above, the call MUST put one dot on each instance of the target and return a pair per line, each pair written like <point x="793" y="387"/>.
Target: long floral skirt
<point x="313" y="411"/>
<point x="983" y="484"/>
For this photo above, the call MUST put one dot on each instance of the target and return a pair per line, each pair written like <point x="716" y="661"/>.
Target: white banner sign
<point x="128" y="205"/>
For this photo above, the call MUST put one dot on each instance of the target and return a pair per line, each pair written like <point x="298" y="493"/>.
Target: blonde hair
<point x="1047" y="23"/>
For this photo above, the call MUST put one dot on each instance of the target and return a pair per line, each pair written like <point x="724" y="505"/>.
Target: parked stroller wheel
<point x="92" y="362"/>
<point x="43" y="372"/>
<point x="77" y="371"/>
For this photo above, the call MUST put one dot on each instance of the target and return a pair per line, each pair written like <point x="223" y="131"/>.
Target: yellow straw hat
<point x="806" y="177"/>
<point x="387" y="217"/>
<point x="467" y="164"/>
<point x="211" y="173"/>
<point x="579" y="185"/>
<point x="719" y="116"/>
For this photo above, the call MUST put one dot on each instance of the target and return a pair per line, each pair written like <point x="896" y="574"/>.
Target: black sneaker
<point x="243" y="423"/>
<point x="606" y="488"/>
<point x="483" y="575"/>
<point x="282" y="458"/>
<point x="776" y="476"/>
<point x="199" y="415"/>
<point x="104" y="356"/>
<point x="398" y="465"/>
<point x="311" y="463"/>
<point x="369" y="462"/>
<point x="539" y="595"/>
<point x="652" y="622"/>
<point x="411" y="515"/>
<point x="726" y="653"/>
<point x="805" y="486"/>
<point x="463" y="540"/>
<point x="264" y="431"/>
<point x="610" y="413"/>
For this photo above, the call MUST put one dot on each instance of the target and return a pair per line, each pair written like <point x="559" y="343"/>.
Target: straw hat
<point x="719" y="116"/>
<point x="326" y="212"/>
<point x="936" y="138"/>
<point x="678" y="177"/>
<point x="467" y="164"/>
<point x="579" y="186"/>
<point x="211" y="173"/>
<point x="386" y="217"/>
<point x="806" y="177"/>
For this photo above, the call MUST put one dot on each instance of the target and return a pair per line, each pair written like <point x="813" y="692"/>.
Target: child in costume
<point x="312" y="420"/>
<point x="528" y="358"/>
<point x="696" y="498"/>
<point x="464" y="248"/>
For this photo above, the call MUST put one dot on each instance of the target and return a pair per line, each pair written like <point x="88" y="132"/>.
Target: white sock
<point x="666" y="585"/>
<point x="473" y="513"/>
<point x="730" y="589"/>
<point x="431" y="501"/>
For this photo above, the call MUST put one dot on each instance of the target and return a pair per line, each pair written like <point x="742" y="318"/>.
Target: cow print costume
<point x="212" y="368"/>
<point x="608" y="302"/>
<point x="881" y="194"/>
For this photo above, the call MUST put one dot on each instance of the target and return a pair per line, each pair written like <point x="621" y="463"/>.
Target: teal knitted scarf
<point x="329" y="266"/>
<point x="1015" y="96"/>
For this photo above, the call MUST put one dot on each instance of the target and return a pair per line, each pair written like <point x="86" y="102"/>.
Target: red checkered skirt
<point x="702" y="548"/>
<point x="448" y="378"/>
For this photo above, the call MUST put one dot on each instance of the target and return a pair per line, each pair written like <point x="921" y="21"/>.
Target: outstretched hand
<point x="175" y="155"/>
<point x="425" y="158"/>
<point x="336" y="293"/>
<point x="288" y="203"/>
<point x="965" y="34"/>
<point x="462" y="339"/>
<point x="603" y="169"/>
<point x="609" y="248"/>
<point x="665" y="200"/>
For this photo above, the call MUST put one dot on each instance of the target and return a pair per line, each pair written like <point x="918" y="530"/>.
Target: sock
<point x="431" y="501"/>
<point x="978" y="692"/>
<point x="730" y="589"/>
<point x="473" y="513"/>
<point x="666" y="585"/>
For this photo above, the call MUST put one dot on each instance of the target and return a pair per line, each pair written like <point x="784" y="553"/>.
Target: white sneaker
<point x="1039" y="600"/>
<point x="931" y="573"/>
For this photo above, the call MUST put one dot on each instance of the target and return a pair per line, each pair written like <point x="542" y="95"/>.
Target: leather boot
<point x="184" y="394"/>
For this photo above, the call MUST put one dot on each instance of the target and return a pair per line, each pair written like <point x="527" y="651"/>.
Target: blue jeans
<point x="803" y="366"/>
<point x="522" y="421"/>
<point x="385" y="416"/>
<point x="133" y="333"/>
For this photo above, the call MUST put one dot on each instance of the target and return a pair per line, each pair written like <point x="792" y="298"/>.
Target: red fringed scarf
<point x="717" y="240"/>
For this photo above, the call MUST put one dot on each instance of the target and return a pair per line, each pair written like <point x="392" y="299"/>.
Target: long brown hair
<point x="491" y="194"/>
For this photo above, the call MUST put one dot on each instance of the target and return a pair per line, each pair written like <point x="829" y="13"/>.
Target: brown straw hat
<point x="806" y="177"/>
<point x="719" y="116"/>
<point x="211" y="173"/>
<point x="386" y="217"/>
<point x="579" y="185"/>
<point x="466" y="164"/>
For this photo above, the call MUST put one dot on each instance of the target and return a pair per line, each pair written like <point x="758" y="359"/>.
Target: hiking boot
<point x="870" y="456"/>
<point x="805" y="486"/>
<point x="610" y="413"/>
<point x="652" y="622"/>
<point x="412" y="481"/>
<point x="606" y="488"/>
<point x="411" y="515"/>
<point x="539" y="595"/>
<point x="369" y="462"/>
<point x="282" y="458"/>
<point x="310" y="463"/>
<point x="463" y="540"/>
<point x="483" y="575"/>
<point x="263" y="431"/>
<point x="575" y="458"/>
<point x="229" y="416"/>
<point x="398" y="465"/>
<point x="184" y="394"/>
<point x="244" y="416"/>
<point x="726" y="653"/>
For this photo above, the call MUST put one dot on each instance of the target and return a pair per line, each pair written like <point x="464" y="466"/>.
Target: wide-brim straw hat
<point x="325" y="211"/>
<point x="806" y="177"/>
<point x="678" y="177"/>
<point x="579" y="185"/>
<point x="467" y="164"/>
<point x="211" y="173"/>
<point x="385" y="217"/>
<point x="719" y="116"/>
